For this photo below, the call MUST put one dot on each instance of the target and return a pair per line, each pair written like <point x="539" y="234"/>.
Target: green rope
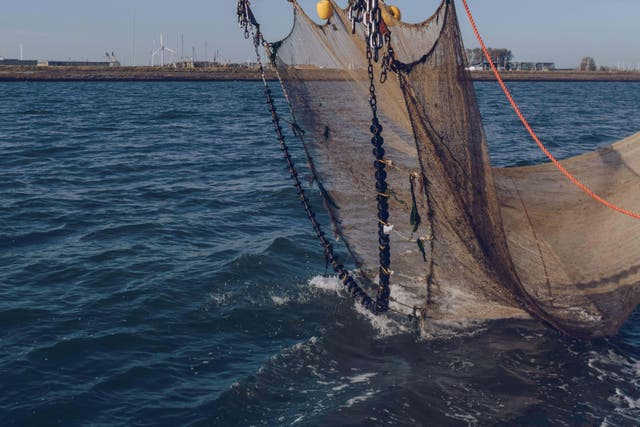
<point x="414" y="219"/>
<point x="422" y="250"/>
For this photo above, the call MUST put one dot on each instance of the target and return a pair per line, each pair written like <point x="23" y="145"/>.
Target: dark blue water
<point x="156" y="269"/>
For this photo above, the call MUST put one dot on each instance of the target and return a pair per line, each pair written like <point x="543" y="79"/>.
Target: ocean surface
<point x="156" y="268"/>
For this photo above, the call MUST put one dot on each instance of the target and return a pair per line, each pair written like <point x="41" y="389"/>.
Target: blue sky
<point x="562" y="31"/>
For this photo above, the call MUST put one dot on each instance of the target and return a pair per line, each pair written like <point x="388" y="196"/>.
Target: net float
<point x="391" y="15"/>
<point x="324" y="9"/>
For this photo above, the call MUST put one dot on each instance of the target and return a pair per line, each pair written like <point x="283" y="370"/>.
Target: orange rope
<point x="544" y="149"/>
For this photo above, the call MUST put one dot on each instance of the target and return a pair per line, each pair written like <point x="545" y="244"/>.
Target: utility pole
<point x="133" y="62"/>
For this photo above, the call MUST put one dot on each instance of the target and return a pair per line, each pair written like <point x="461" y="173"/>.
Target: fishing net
<point x="469" y="242"/>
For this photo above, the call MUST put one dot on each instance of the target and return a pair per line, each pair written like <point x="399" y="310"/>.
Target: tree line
<point x="502" y="56"/>
<point x="589" y="64"/>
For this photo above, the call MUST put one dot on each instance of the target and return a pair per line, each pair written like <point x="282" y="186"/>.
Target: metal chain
<point x="382" y="194"/>
<point x="244" y="13"/>
<point x="381" y="304"/>
<point x="356" y="13"/>
<point x="389" y="58"/>
<point x="368" y="13"/>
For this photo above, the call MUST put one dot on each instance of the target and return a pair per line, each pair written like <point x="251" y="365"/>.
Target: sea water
<point x="156" y="268"/>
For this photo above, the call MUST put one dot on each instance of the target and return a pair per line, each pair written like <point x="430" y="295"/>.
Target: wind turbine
<point x="161" y="51"/>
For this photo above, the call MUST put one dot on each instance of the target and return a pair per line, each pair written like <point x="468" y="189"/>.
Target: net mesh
<point x="490" y="243"/>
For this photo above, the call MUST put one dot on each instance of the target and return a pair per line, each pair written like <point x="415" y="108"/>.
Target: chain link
<point x="382" y="198"/>
<point x="369" y="14"/>
<point x="381" y="303"/>
<point x="356" y="14"/>
<point x="388" y="60"/>
<point x="244" y="19"/>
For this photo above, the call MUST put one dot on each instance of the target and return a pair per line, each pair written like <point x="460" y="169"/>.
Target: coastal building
<point x="196" y="64"/>
<point x="532" y="66"/>
<point x="515" y="66"/>
<point x="18" y="62"/>
<point x="78" y="63"/>
<point x="476" y="67"/>
<point x="483" y="66"/>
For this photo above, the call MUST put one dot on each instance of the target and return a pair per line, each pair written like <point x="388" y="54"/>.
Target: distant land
<point x="231" y="73"/>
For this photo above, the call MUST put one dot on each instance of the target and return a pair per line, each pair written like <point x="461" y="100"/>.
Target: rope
<point x="526" y="124"/>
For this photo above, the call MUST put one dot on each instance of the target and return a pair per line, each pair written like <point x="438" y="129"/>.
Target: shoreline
<point x="560" y="76"/>
<point x="8" y="73"/>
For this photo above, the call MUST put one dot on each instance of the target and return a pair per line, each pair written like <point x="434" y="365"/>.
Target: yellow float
<point x="391" y="15"/>
<point x="395" y="12"/>
<point x="325" y="9"/>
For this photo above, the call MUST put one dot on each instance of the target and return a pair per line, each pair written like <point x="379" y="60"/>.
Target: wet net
<point x="468" y="242"/>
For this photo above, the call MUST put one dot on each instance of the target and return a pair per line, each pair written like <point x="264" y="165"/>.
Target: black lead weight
<point x="376" y="127"/>
<point x="381" y="186"/>
<point x="381" y="175"/>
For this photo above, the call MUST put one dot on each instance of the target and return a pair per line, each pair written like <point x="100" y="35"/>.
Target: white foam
<point x="606" y="365"/>
<point x="297" y="420"/>
<point x="469" y="419"/>
<point x="403" y="295"/>
<point x="384" y="325"/>
<point x="219" y="299"/>
<point x="389" y="325"/>
<point x="370" y="393"/>
<point x="452" y="329"/>
<point x="278" y="300"/>
<point x="362" y="378"/>
<point x="629" y="401"/>
<point x="330" y="284"/>
<point x="623" y="371"/>
<point x="304" y="346"/>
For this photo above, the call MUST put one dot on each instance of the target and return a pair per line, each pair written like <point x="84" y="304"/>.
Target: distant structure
<point x="479" y="67"/>
<point x="161" y="50"/>
<point x="111" y="61"/>
<point x="190" y="64"/>
<point x="18" y="62"/>
<point x="193" y="62"/>
<point x="78" y="64"/>
<point x="532" y="66"/>
<point x="515" y="66"/>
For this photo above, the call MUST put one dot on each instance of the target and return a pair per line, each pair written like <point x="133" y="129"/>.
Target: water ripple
<point x="155" y="268"/>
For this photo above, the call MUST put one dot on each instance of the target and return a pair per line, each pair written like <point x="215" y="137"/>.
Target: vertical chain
<point x="389" y="58"/>
<point x="382" y="195"/>
<point x="368" y="13"/>
<point x="356" y="13"/>
<point x="252" y="29"/>
<point x="244" y="20"/>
